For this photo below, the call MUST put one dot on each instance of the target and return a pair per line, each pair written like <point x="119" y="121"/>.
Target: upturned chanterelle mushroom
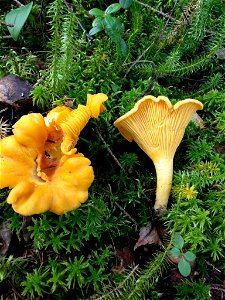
<point x="40" y="164"/>
<point x="158" y="128"/>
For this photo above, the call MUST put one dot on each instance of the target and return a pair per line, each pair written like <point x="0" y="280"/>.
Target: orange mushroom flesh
<point x="71" y="122"/>
<point x="158" y="128"/>
<point x="43" y="174"/>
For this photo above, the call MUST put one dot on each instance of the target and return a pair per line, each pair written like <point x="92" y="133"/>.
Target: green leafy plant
<point x="16" y="18"/>
<point x="112" y="25"/>
<point x="185" y="257"/>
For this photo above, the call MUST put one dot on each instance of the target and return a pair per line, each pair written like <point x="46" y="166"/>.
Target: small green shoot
<point x="112" y="25"/>
<point x="185" y="258"/>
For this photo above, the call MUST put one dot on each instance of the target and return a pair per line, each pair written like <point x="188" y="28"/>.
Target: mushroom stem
<point x="164" y="173"/>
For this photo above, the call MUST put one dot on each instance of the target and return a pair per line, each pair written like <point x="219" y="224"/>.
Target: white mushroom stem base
<point x="164" y="173"/>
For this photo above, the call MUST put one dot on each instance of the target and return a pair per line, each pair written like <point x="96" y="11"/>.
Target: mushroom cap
<point x="73" y="121"/>
<point x="59" y="114"/>
<point x="29" y="126"/>
<point x="94" y="102"/>
<point x="17" y="162"/>
<point x="66" y="191"/>
<point x="156" y="125"/>
<point x="39" y="182"/>
<point x="40" y="165"/>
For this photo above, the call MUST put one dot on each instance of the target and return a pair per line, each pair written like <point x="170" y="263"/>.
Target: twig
<point x="192" y="79"/>
<point x="214" y="268"/>
<point x="188" y="79"/>
<point x="89" y="37"/>
<point x="160" y="35"/>
<point x="155" y="10"/>
<point x="140" y="61"/>
<point x="115" y="159"/>
<point x="151" y="84"/>
<point x="22" y="48"/>
<point x="218" y="287"/>
<point x="5" y="24"/>
<point x="18" y="3"/>
<point x="109" y="150"/>
<point x="146" y="50"/>
<point x="146" y="91"/>
<point x="136" y="61"/>
<point x="4" y="109"/>
<point x="126" y="213"/>
<point x="6" y="37"/>
<point x="218" y="64"/>
<point x="96" y="208"/>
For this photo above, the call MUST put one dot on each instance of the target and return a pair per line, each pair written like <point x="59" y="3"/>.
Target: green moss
<point x="175" y="55"/>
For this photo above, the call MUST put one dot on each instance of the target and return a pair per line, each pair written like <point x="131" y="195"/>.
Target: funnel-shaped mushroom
<point x="158" y="128"/>
<point x="42" y="174"/>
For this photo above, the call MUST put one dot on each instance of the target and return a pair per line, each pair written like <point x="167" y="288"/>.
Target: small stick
<point x="214" y="268"/>
<point x="218" y="287"/>
<point x="4" y="109"/>
<point x="96" y="208"/>
<point x="126" y="213"/>
<point x="140" y="61"/>
<point x="109" y="150"/>
<point x="90" y="38"/>
<point x="6" y="37"/>
<point x="114" y="157"/>
<point x="136" y="61"/>
<point x="184" y="14"/>
<point x="18" y="3"/>
<point x="8" y="25"/>
<point x="155" y="10"/>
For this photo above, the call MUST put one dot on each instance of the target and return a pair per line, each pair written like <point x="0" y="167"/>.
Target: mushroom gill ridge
<point x="158" y="128"/>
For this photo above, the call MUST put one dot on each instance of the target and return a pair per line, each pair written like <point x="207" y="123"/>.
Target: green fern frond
<point x="56" y="13"/>
<point x="180" y="24"/>
<point x="194" y="65"/>
<point x="67" y="49"/>
<point x="137" y="283"/>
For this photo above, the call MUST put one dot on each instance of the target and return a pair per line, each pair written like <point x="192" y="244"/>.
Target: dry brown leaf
<point x="149" y="234"/>
<point x="198" y="120"/>
<point x="126" y="258"/>
<point x="5" y="237"/>
<point x="68" y="102"/>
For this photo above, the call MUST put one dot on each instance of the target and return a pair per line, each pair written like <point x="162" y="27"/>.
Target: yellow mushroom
<point x="72" y="122"/>
<point x="43" y="174"/>
<point x="158" y="128"/>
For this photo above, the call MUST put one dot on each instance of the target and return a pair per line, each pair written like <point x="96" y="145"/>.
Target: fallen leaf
<point x="5" y="237"/>
<point x="150" y="234"/>
<point x="198" y="120"/>
<point x="220" y="148"/>
<point x="174" y="259"/>
<point x="220" y="53"/>
<point x="126" y="258"/>
<point x="68" y="102"/>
